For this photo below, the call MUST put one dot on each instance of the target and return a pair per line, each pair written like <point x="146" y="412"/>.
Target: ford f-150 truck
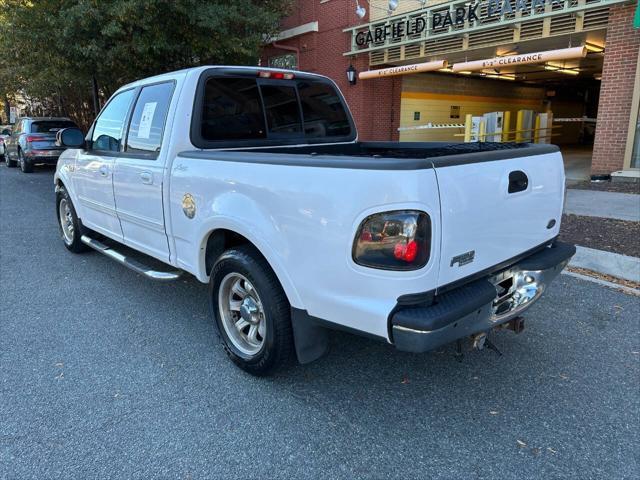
<point x="253" y="180"/>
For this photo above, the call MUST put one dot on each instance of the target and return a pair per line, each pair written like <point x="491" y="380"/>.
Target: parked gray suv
<point x="33" y="141"/>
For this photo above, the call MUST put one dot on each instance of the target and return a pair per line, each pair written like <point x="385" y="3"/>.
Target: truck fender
<point x="62" y="176"/>
<point x="250" y="222"/>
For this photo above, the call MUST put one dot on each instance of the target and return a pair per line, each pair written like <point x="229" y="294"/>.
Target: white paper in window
<point x="145" y="121"/>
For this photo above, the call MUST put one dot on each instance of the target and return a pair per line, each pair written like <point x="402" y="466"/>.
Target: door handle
<point x="518" y="181"/>
<point x="104" y="170"/>
<point x="146" y="177"/>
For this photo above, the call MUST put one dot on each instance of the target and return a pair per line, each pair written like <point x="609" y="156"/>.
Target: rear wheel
<point x="251" y="311"/>
<point x="10" y="163"/>
<point x="70" y="228"/>
<point x="25" y="165"/>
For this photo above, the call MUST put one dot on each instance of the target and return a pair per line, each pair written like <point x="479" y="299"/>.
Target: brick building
<point x="594" y="99"/>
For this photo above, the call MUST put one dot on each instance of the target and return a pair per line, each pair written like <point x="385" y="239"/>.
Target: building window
<point x="288" y="61"/>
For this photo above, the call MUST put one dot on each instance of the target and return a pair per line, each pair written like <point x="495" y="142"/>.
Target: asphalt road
<point x="104" y="374"/>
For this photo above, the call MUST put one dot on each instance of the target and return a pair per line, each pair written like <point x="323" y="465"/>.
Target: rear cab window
<point x="282" y="109"/>
<point x="232" y="110"/>
<point x="51" y="126"/>
<point x="244" y="110"/>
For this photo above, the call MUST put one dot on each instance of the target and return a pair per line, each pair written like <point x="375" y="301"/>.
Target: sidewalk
<point x="605" y="220"/>
<point x="589" y="203"/>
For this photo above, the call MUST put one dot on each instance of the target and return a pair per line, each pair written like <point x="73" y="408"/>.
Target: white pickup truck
<point x="253" y="181"/>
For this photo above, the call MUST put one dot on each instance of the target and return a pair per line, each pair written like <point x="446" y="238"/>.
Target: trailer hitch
<point x="481" y="340"/>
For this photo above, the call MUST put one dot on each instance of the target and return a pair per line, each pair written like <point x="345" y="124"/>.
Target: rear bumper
<point x="42" y="156"/>
<point x="480" y="305"/>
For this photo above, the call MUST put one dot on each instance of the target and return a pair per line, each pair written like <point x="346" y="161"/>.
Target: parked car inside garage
<point x="33" y="141"/>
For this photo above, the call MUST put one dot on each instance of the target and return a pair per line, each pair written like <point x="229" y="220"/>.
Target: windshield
<point x="50" y="126"/>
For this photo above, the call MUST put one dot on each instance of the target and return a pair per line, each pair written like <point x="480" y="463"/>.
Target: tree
<point x="53" y="49"/>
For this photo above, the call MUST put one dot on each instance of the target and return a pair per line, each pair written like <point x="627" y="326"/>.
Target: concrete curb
<point x="614" y="264"/>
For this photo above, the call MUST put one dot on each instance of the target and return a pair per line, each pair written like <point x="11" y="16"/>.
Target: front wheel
<point x="68" y="222"/>
<point x="251" y="310"/>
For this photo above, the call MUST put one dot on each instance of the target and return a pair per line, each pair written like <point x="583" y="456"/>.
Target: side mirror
<point x="70" y="138"/>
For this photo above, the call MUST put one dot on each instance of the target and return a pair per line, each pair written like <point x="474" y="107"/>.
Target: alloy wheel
<point x="66" y="221"/>
<point x="242" y="313"/>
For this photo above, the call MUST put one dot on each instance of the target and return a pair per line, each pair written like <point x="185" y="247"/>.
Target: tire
<point x="10" y="163"/>
<point x="25" y="165"/>
<point x="272" y="343"/>
<point x="72" y="230"/>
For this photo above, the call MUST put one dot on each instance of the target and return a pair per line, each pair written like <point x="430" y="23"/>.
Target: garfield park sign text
<point x="438" y="18"/>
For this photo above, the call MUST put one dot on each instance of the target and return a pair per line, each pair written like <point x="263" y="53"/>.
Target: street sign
<point x="13" y="113"/>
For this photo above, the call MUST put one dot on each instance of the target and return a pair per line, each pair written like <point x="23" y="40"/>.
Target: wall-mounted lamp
<point x="352" y="75"/>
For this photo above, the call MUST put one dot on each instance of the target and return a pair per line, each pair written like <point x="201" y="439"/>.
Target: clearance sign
<point x="475" y="65"/>
<point x="523" y="59"/>
<point x="403" y="70"/>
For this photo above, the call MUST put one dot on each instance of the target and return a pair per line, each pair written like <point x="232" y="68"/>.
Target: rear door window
<point x="232" y="110"/>
<point x="149" y="118"/>
<point x="281" y="108"/>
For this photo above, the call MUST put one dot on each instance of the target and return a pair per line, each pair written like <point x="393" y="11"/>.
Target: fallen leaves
<point x="60" y="376"/>
<point x="535" y="450"/>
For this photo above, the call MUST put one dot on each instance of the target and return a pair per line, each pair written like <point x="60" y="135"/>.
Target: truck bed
<point x="398" y="149"/>
<point x="377" y="155"/>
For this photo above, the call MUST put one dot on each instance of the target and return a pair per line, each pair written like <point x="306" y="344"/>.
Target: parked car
<point x="32" y="142"/>
<point x="5" y="131"/>
<point x="297" y="230"/>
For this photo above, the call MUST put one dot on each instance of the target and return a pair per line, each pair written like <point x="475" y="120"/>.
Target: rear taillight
<point x="34" y="138"/>
<point x="276" y="75"/>
<point x="398" y="240"/>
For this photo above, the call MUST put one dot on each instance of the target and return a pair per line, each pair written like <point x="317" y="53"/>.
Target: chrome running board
<point x="129" y="262"/>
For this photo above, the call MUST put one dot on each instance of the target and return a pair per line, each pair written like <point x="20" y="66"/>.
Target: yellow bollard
<point x="519" y="123"/>
<point x="506" y="126"/>
<point x="536" y="131"/>
<point x="468" y="121"/>
<point x="481" y="131"/>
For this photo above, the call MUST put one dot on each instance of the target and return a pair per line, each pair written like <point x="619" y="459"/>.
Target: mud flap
<point x="310" y="338"/>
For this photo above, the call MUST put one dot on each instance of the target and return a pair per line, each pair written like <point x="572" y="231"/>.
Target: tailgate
<point x="494" y="210"/>
<point x="44" y="142"/>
